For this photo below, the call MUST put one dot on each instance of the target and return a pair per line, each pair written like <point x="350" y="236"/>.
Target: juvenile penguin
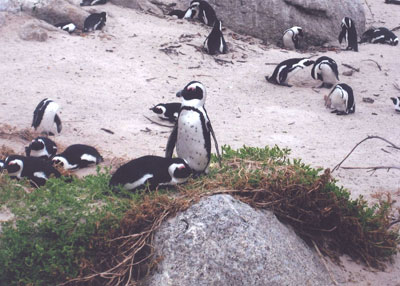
<point x="45" y="116"/>
<point x="287" y="69"/>
<point x="178" y="13"/>
<point x="396" y="102"/>
<point x="291" y="37"/>
<point x="66" y="26"/>
<point x="38" y="171"/>
<point x="153" y="170"/>
<point x="215" y="42"/>
<point x="341" y="99"/>
<point x="41" y="147"/>
<point x="93" y="2"/>
<point x="95" y="21"/>
<point x="325" y="69"/>
<point x="379" y="36"/>
<point x="167" y="111"/>
<point x="78" y="156"/>
<point x="202" y="10"/>
<point x="349" y="34"/>
<point x="191" y="134"/>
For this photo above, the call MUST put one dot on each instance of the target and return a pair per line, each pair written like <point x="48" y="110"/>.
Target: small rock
<point x="32" y="32"/>
<point x="368" y="100"/>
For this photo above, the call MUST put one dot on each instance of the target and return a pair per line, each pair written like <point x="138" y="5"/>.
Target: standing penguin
<point x="291" y="37"/>
<point x="215" y="42"/>
<point x="191" y="134"/>
<point x="349" y="33"/>
<point x="396" y="102"/>
<point x="341" y="99"/>
<point x="167" y="111"/>
<point x="78" y="156"/>
<point x="203" y="11"/>
<point x="45" y="115"/>
<point x="41" y="147"/>
<point x="66" y="26"/>
<point x="38" y="171"/>
<point x="153" y="170"/>
<point x="286" y="69"/>
<point x="379" y="36"/>
<point x="325" y="69"/>
<point x="95" y="21"/>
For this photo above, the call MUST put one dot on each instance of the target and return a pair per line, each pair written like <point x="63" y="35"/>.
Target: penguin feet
<point x="341" y="112"/>
<point x="326" y="85"/>
<point x="286" y="84"/>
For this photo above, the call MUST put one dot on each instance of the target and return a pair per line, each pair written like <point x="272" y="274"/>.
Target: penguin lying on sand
<point x="215" y="42"/>
<point x="325" y="69"/>
<point x="341" y="99"/>
<point x="153" y="170"/>
<point x="349" y="34"/>
<point x="167" y="111"/>
<point x="379" y="36"/>
<point x="287" y="69"/>
<point x="202" y="10"/>
<point x="95" y="21"/>
<point x="396" y="102"/>
<point x="92" y="2"/>
<point x="291" y="37"/>
<point x="66" y="26"/>
<point x="45" y="116"/>
<point x="41" y="147"/>
<point x="78" y="156"/>
<point x="35" y="169"/>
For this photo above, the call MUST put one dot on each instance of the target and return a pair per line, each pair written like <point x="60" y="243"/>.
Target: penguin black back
<point x="45" y="116"/>
<point x="349" y="33"/>
<point x="215" y="42"/>
<point x="95" y="21"/>
<point x="285" y="69"/>
<point x="380" y="35"/>
<point x="326" y="70"/>
<point x="78" y="156"/>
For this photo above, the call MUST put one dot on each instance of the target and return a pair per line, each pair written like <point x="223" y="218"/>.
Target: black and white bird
<point x="95" y="21"/>
<point x="325" y="69"/>
<point x="379" y="36"/>
<point x="202" y="10"/>
<point x="341" y="100"/>
<point x="287" y="69"/>
<point x="45" y="116"/>
<point x="37" y="170"/>
<point x="78" y="156"/>
<point x="349" y="34"/>
<point x="93" y="2"/>
<point x="167" y="111"/>
<point x="66" y="26"/>
<point x="178" y="13"/>
<point x="291" y="37"/>
<point x="154" y="170"/>
<point x="41" y="147"/>
<point x="215" y="42"/>
<point x="191" y="134"/>
<point x="396" y="102"/>
<point x="2" y="164"/>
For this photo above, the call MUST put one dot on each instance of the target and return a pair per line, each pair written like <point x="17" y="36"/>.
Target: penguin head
<point x="298" y="31"/>
<point x="104" y="15"/>
<point x="14" y="165"/>
<point x="395" y="42"/>
<point x="37" y="144"/>
<point x="59" y="161"/>
<point x="159" y="109"/>
<point x="218" y="25"/>
<point x="346" y="23"/>
<point x="308" y="62"/>
<point x="194" y="94"/>
<point x="396" y="102"/>
<point x="193" y="9"/>
<point x="179" y="169"/>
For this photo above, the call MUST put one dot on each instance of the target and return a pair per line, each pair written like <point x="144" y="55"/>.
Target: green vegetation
<point x="81" y="229"/>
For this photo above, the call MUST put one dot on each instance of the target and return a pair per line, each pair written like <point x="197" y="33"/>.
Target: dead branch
<point x="396" y="86"/>
<point x="324" y="262"/>
<point x="396" y="28"/>
<point x="372" y="169"/>
<point x="351" y="67"/>
<point x="154" y="122"/>
<point x="221" y="61"/>
<point x="378" y="65"/>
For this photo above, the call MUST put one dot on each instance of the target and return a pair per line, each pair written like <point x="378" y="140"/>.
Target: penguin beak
<point x="179" y="93"/>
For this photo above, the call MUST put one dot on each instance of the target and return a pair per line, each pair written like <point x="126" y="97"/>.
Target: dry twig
<point x="378" y="65"/>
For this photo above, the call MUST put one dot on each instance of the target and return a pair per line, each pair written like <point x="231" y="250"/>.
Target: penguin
<point x="286" y="69"/>
<point x="396" y="102"/>
<point x="167" y="111"/>
<point x="154" y="170"/>
<point x="191" y="133"/>
<point x="78" y="156"/>
<point x="38" y="171"/>
<point x="349" y="34"/>
<point x="325" y="69"/>
<point x="215" y="42"/>
<point x="341" y="99"/>
<point x="178" y="13"/>
<point x="66" y="26"/>
<point x="380" y="35"/>
<point x="45" y="115"/>
<point x="202" y="10"/>
<point x="41" y="147"/>
<point x="291" y="37"/>
<point x="92" y="2"/>
<point x="2" y="164"/>
<point x="95" y="21"/>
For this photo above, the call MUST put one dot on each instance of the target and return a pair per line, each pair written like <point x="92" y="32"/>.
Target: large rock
<point x="222" y="241"/>
<point x="144" y="5"/>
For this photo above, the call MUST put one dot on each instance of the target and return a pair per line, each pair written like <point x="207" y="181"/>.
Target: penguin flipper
<point x="57" y="120"/>
<point x="28" y="151"/>
<point x="171" y="142"/>
<point x="342" y="34"/>
<point x="215" y="142"/>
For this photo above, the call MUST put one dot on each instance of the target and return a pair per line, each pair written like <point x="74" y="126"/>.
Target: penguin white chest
<point x="338" y="100"/>
<point x="327" y="74"/>
<point x="190" y="144"/>
<point x="288" y="40"/>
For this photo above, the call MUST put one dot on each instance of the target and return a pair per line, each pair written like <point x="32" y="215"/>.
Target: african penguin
<point x="286" y="69"/>
<point x="153" y="170"/>
<point x="2" y="163"/>
<point x="92" y="2"/>
<point x="191" y="134"/>
<point x="77" y="156"/>
<point x="349" y="34"/>
<point x="396" y="102"/>
<point x="178" y="13"/>
<point x="325" y="69"/>
<point x="66" y="26"/>
<point x="215" y="42"/>
<point x="37" y="170"/>
<point x="203" y="11"/>
<point x="167" y="111"/>
<point x="45" y="115"/>
<point x="380" y="35"/>
<point x="341" y="99"/>
<point x="41" y="147"/>
<point x="291" y="37"/>
<point x="95" y="21"/>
